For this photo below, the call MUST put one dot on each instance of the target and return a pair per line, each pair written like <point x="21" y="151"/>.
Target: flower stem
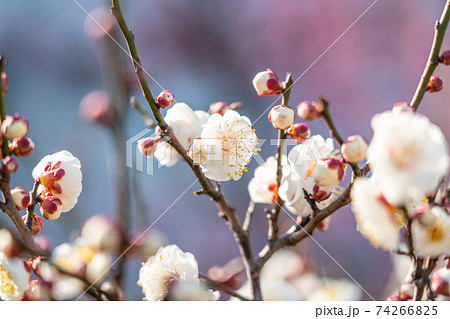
<point x="5" y="149"/>
<point x="433" y="58"/>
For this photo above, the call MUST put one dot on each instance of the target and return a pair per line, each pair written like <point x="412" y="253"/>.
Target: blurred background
<point x="207" y="51"/>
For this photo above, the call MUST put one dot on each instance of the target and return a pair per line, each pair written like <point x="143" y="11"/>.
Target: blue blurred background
<point x="207" y="51"/>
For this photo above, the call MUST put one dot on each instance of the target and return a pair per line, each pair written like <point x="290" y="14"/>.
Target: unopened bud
<point x="23" y="146"/>
<point x="435" y="84"/>
<point x="147" y="146"/>
<point x="355" y="149"/>
<point x="440" y="282"/>
<point x="402" y="107"/>
<point x="266" y="83"/>
<point x="49" y="207"/>
<point x="299" y="132"/>
<point x="324" y="225"/>
<point x="445" y="57"/>
<point x="406" y="291"/>
<point x="15" y="126"/>
<point x="321" y="193"/>
<point x="20" y="197"/>
<point x="165" y="99"/>
<point x="424" y="215"/>
<point x="328" y="172"/>
<point x="96" y="107"/>
<point x="281" y="116"/>
<point x="309" y="111"/>
<point x="4" y="79"/>
<point x="36" y="224"/>
<point x="10" y="164"/>
<point x="218" y="107"/>
<point x="394" y="298"/>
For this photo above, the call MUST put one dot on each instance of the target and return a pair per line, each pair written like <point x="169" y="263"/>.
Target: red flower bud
<point x="218" y="107"/>
<point x="165" y="99"/>
<point x="15" y="126"/>
<point x="10" y="164"/>
<point x="21" y="197"/>
<point x="266" y="83"/>
<point x="23" y="146"/>
<point x="147" y="146"/>
<point x="309" y="111"/>
<point x="36" y="224"/>
<point x="4" y="79"/>
<point x="435" y="84"/>
<point x="299" y="132"/>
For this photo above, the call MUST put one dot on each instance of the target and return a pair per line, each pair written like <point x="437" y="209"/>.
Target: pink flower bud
<point x="355" y="149"/>
<point x="299" y="132"/>
<point x="266" y="83"/>
<point x="309" y="111"/>
<point x="406" y="291"/>
<point x="435" y="84"/>
<point x="321" y="193"/>
<point x="324" y="224"/>
<point x="281" y="116"/>
<point x="4" y="79"/>
<point x="15" y="126"/>
<point x="328" y="172"/>
<point x="165" y="99"/>
<point x="49" y="207"/>
<point x="218" y="107"/>
<point x="440" y="282"/>
<point x="36" y="225"/>
<point x="394" y="298"/>
<point x="23" y="146"/>
<point x="21" y="197"/>
<point x="402" y="107"/>
<point x="96" y="107"/>
<point x="147" y="146"/>
<point x="10" y="164"/>
<point x="445" y="57"/>
<point x="424" y="215"/>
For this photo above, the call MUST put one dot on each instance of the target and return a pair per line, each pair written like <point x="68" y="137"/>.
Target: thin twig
<point x="143" y="112"/>
<point x="222" y="287"/>
<point x="5" y="149"/>
<point x="433" y="58"/>
<point x="33" y="203"/>
<point x="248" y="217"/>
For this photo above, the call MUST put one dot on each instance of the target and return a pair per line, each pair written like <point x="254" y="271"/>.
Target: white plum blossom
<point x="409" y="154"/>
<point x="170" y="266"/>
<point x="303" y="160"/>
<point x="335" y="290"/>
<point x="377" y="220"/>
<point x="60" y="177"/>
<point x="284" y="264"/>
<point x="187" y="125"/>
<point x="272" y="290"/>
<point x="263" y="187"/>
<point x="434" y="240"/>
<point x="15" y="276"/>
<point x="229" y="142"/>
<point x="281" y="116"/>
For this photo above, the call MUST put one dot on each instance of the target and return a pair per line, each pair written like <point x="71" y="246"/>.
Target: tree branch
<point x="222" y="287"/>
<point x="433" y="58"/>
<point x="32" y="205"/>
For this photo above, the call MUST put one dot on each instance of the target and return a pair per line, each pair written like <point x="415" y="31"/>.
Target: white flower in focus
<point x="15" y="277"/>
<point x="229" y="143"/>
<point x="336" y="290"/>
<point x="409" y="154"/>
<point x="60" y="177"/>
<point x="263" y="187"/>
<point x="432" y="241"/>
<point x="272" y="290"/>
<point x="377" y="220"/>
<point x="170" y="265"/>
<point x="303" y="159"/>
<point x="186" y="124"/>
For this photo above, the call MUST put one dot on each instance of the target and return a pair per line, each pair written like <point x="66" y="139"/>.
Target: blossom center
<point x="404" y="156"/>
<point x="51" y="176"/>
<point x="7" y="285"/>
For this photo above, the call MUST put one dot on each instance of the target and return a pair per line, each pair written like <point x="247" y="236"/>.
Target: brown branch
<point x="433" y="58"/>
<point x="33" y="203"/>
<point x="225" y="208"/>
<point x="222" y="287"/>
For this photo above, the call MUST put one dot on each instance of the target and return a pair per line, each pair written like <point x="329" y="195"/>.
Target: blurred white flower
<point x="60" y="177"/>
<point x="376" y="219"/>
<point x="263" y="187"/>
<point x="229" y="143"/>
<point x="284" y="264"/>
<point x="272" y="290"/>
<point x="102" y="233"/>
<point x="186" y="124"/>
<point x="169" y="266"/>
<point x="432" y="241"/>
<point x="409" y="154"/>
<point x="15" y="277"/>
<point x="335" y="290"/>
